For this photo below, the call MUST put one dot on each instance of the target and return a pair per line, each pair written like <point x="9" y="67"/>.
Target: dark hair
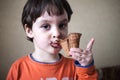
<point x="35" y="8"/>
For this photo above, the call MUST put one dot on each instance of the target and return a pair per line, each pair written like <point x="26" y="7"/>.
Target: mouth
<point x="55" y="45"/>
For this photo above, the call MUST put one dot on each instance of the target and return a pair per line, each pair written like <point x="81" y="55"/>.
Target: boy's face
<point x="46" y="32"/>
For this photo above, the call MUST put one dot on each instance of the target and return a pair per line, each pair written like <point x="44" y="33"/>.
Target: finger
<point x="90" y="44"/>
<point x="76" y="56"/>
<point x="76" y="50"/>
<point x="87" y="52"/>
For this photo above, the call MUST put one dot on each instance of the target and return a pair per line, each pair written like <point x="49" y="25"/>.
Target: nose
<point x="56" y="33"/>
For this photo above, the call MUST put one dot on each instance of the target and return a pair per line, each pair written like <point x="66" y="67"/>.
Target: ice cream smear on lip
<point x="55" y="44"/>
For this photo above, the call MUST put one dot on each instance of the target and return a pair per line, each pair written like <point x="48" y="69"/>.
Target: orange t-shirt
<point x="28" y="69"/>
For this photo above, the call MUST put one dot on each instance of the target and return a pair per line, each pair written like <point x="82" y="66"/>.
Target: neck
<point x="45" y="57"/>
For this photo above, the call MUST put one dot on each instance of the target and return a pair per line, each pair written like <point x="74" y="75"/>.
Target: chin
<point x="56" y="52"/>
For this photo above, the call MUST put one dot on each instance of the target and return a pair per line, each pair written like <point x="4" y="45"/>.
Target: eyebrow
<point x="64" y="20"/>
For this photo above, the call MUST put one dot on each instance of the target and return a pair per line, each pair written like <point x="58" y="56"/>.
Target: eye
<point x="46" y="27"/>
<point x="62" y="25"/>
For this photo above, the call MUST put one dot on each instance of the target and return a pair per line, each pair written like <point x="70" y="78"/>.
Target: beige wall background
<point x="93" y="18"/>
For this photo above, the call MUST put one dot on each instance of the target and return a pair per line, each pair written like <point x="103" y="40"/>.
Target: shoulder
<point x="16" y="68"/>
<point x="20" y="62"/>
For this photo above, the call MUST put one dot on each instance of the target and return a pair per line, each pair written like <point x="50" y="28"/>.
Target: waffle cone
<point x="65" y="45"/>
<point x="74" y="39"/>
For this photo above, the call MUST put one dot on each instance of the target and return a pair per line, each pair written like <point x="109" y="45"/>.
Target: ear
<point x="28" y="31"/>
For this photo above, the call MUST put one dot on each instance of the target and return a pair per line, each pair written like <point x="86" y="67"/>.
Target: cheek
<point x="43" y="39"/>
<point x="40" y="38"/>
<point x="42" y="42"/>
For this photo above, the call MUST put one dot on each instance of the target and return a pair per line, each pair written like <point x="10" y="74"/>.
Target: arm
<point x="86" y="72"/>
<point x="85" y="69"/>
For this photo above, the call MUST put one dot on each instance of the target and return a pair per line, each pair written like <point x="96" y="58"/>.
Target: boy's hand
<point x="84" y="57"/>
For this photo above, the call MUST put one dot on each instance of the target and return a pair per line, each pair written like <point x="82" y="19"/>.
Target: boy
<point x="45" y="22"/>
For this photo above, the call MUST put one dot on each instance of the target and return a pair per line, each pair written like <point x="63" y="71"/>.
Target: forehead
<point x="47" y="17"/>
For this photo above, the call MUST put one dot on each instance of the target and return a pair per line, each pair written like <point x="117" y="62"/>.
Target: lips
<point x="55" y="45"/>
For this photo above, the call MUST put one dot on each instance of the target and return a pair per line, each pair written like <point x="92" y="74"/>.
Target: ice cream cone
<point x="65" y="45"/>
<point x="74" y="39"/>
